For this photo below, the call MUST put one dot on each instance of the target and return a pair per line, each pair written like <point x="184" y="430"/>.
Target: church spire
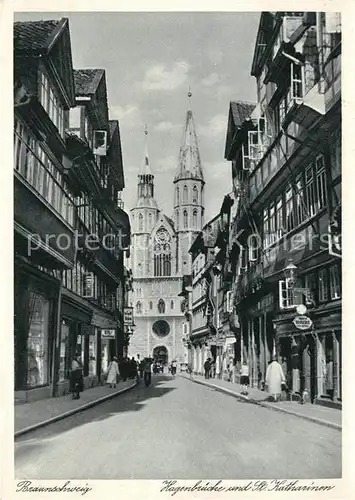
<point x="189" y="161"/>
<point x="145" y="168"/>
<point x="145" y="175"/>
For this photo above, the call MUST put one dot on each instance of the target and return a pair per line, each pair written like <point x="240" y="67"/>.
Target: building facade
<point x="70" y="233"/>
<point x="286" y="170"/>
<point x="160" y="254"/>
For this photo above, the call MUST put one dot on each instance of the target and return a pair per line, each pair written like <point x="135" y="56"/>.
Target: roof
<point x="36" y="36"/>
<point x="87" y="80"/>
<point x="190" y="161"/>
<point x="241" y="110"/>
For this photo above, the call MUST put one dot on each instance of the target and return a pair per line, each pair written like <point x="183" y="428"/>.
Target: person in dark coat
<point x="76" y="377"/>
<point x="207" y="367"/>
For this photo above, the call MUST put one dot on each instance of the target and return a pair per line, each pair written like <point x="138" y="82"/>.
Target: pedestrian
<point x="147" y="372"/>
<point x="213" y="369"/>
<point x="275" y="378"/>
<point x="135" y="369"/>
<point x="123" y="369"/>
<point x="244" y="378"/>
<point x="173" y="367"/>
<point x="207" y="368"/>
<point x="112" y="373"/>
<point x="76" y="377"/>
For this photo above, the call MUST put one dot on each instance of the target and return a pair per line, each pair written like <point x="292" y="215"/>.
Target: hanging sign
<point x="302" y="322"/>
<point x="108" y="334"/>
<point x="128" y="315"/>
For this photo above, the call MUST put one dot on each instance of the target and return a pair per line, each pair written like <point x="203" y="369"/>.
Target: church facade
<point x="160" y="253"/>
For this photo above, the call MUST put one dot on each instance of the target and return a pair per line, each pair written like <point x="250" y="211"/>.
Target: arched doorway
<point x="160" y="354"/>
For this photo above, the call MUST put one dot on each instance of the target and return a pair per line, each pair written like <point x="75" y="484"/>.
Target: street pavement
<point x="182" y="430"/>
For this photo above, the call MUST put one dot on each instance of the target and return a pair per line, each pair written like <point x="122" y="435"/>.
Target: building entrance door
<point x="160" y="354"/>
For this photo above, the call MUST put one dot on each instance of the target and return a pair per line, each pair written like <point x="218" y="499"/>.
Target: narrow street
<point x="179" y="429"/>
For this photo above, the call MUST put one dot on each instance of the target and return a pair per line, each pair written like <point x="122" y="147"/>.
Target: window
<point x="279" y="218"/>
<point x="75" y="118"/>
<point x="185" y="219"/>
<point x="171" y="304"/>
<point x="177" y="219"/>
<point x="177" y="196"/>
<point x="334" y="282"/>
<point x="195" y="195"/>
<point x="272" y="224"/>
<point x="300" y="202"/>
<point x="37" y="346"/>
<point x="321" y="183"/>
<point x="161" y="306"/>
<point x="266" y="227"/>
<point x="51" y="104"/>
<point x="310" y="191"/>
<point x="194" y="219"/>
<point x="297" y="81"/>
<point x="140" y="222"/>
<point x="323" y="285"/>
<point x="150" y="305"/>
<point x="150" y="221"/>
<point x="162" y="254"/>
<point x="139" y="307"/>
<point x="186" y="195"/>
<point x="290" y="215"/>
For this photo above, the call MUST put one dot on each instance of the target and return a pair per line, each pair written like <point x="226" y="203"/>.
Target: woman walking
<point x="274" y="379"/>
<point x="76" y="377"/>
<point x="244" y="378"/>
<point x="112" y="373"/>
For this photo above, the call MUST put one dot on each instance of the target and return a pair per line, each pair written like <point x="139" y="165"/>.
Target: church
<point x="160" y="253"/>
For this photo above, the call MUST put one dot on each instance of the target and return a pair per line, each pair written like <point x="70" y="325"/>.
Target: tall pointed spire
<point x="145" y="168"/>
<point x="190" y="161"/>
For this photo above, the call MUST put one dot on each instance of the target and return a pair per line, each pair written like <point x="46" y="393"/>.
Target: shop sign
<point x="128" y="315"/>
<point x="87" y="330"/>
<point x="302" y="322"/>
<point x="108" y="334"/>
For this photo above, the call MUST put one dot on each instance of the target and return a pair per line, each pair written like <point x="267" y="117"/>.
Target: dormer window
<point x="51" y="103"/>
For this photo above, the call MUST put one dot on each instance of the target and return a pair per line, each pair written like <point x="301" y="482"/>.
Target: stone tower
<point x="188" y="195"/>
<point x="144" y="216"/>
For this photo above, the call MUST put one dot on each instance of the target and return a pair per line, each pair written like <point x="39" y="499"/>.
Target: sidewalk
<point x="31" y="416"/>
<point x="329" y="417"/>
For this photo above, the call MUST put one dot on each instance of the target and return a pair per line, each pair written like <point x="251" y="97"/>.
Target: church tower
<point x="188" y="194"/>
<point x="144" y="216"/>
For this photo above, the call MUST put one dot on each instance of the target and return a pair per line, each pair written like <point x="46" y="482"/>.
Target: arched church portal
<point x="160" y="354"/>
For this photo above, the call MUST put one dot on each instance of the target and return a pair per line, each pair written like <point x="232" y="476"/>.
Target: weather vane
<point x="146" y="130"/>
<point x="189" y="96"/>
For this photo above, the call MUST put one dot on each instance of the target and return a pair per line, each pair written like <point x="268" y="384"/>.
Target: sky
<point x="151" y="61"/>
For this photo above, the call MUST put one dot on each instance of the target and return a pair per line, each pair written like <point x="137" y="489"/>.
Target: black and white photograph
<point x="177" y="253"/>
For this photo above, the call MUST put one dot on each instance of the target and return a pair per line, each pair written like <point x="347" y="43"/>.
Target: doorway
<point x="160" y="354"/>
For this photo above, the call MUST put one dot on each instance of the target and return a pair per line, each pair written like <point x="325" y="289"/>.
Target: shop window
<point x="37" y="346"/>
<point x="335" y="282"/>
<point x="323" y="295"/>
<point x="93" y="353"/>
<point x="65" y="355"/>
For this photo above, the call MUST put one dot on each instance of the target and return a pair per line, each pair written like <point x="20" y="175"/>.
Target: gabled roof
<point x="87" y="80"/>
<point x="239" y="112"/>
<point x="37" y="36"/>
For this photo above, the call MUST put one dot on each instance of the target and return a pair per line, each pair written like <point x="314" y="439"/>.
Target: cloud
<point x="216" y="127"/>
<point x="165" y="127"/>
<point x="159" y="77"/>
<point x="210" y="80"/>
<point x="128" y="116"/>
<point x="167" y="164"/>
<point x="215" y="56"/>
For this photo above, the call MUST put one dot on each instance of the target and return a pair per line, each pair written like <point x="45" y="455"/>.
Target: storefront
<point x="104" y="340"/>
<point x="74" y="340"/>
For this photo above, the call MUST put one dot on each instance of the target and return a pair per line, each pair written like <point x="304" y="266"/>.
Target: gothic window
<point x="185" y="219"/>
<point x="185" y="200"/>
<point x="161" y="306"/>
<point x="194" y="219"/>
<point x="150" y="305"/>
<point x="177" y="219"/>
<point x="171" y="304"/>
<point x="195" y="195"/>
<point x="150" y="219"/>
<point x="139" y="307"/>
<point x="177" y="196"/>
<point x="140" y="223"/>
<point x="162" y="253"/>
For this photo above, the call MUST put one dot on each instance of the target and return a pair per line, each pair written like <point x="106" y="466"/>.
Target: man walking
<point x="207" y="368"/>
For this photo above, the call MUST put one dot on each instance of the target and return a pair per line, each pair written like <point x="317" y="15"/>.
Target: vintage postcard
<point x="175" y="321"/>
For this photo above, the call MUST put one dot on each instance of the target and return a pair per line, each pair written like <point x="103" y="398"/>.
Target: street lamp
<point x="290" y="273"/>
